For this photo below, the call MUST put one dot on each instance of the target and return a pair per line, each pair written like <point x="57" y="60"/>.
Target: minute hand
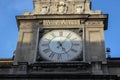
<point x="63" y="49"/>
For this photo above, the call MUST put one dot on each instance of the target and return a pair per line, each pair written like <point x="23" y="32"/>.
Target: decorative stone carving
<point x="79" y="9"/>
<point x="62" y="8"/>
<point x="56" y="67"/>
<point x="53" y="9"/>
<point x="61" y="22"/>
<point x="45" y="9"/>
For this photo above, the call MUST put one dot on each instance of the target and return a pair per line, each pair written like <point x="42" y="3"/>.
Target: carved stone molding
<point x="59" y="67"/>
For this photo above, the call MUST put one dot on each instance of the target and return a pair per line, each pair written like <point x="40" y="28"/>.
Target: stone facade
<point x="59" y="71"/>
<point x="30" y="27"/>
<point x="73" y="15"/>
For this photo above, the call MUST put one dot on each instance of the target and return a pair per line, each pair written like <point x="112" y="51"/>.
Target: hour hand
<point x="59" y="44"/>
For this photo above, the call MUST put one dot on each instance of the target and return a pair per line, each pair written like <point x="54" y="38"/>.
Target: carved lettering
<point x="61" y="22"/>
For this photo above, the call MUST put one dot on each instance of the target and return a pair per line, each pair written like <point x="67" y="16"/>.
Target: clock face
<point x="60" y="46"/>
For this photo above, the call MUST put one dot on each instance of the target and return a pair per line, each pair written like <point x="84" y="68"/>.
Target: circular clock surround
<point x="60" y="46"/>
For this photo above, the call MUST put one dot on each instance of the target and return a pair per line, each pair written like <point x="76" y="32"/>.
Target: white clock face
<point x="60" y="46"/>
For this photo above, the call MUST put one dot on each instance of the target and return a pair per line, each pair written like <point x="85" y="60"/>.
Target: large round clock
<point x="60" y="46"/>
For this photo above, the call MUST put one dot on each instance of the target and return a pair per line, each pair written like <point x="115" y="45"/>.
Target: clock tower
<point x="62" y="36"/>
<point x="61" y="40"/>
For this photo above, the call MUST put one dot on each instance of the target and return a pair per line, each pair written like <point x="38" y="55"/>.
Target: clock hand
<point x="59" y="44"/>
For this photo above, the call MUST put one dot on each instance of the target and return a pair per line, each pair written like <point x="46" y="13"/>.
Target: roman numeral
<point x="76" y="44"/>
<point x="60" y="33"/>
<point x="53" y="35"/>
<point x="52" y="55"/>
<point x="59" y="56"/>
<point x="73" y="50"/>
<point x="46" y="50"/>
<point x="46" y="39"/>
<point x="44" y="45"/>
<point x="69" y="35"/>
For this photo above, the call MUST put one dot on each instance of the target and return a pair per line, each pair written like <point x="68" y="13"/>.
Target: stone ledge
<point x="59" y="76"/>
<point x="65" y="16"/>
<point x="84" y="17"/>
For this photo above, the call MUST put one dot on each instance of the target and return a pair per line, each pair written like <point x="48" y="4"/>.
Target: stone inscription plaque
<point x="61" y="23"/>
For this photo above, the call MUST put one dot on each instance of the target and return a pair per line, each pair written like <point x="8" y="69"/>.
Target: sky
<point x="9" y="31"/>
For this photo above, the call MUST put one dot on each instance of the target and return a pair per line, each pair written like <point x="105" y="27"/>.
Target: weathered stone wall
<point x="93" y="35"/>
<point x="26" y="47"/>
